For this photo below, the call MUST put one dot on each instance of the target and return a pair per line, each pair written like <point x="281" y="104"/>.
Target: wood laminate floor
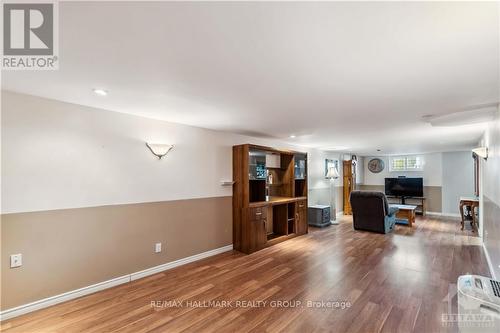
<point x="393" y="283"/>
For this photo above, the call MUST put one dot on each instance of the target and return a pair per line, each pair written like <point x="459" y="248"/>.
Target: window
<point x="398" y="164"/>
<point x="406" y="163"/>
<point x="414" y="163"/>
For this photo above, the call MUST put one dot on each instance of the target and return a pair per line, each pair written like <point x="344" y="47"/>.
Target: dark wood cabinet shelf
<point x="273" y="236"/>
<point x="264" y="212"/>
<point x="276" y="201"/>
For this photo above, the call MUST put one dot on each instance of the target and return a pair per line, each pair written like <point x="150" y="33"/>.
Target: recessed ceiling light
<point x="100" y="92"/>
<point x="379" y="149"/>
<point x="292" y="136"/>
<point x="338" y="148"/>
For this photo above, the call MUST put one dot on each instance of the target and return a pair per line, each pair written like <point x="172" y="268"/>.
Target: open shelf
<point x="291" y="218"/>
<point x="300" y="187"/>
<point x="272" y="236"/>
<point x="257" y="190"/>
<point x="280" y="220"/>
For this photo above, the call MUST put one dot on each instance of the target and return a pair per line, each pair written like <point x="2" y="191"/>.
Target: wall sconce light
<point x="159" y="149"/>
<point x="481" y="152"/>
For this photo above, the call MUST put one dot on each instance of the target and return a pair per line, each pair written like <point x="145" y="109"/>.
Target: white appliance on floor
<point x="478" y="304"/>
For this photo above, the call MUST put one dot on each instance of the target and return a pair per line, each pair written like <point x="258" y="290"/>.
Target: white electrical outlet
<point x="157" y="247"/>
<point x="16" y="260"/>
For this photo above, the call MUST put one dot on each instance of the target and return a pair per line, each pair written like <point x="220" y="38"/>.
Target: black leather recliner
<point x="371" y="212"/>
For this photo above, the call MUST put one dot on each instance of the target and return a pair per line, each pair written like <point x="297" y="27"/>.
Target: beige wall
<point x="84" y="200"/>
<point x="73" y="248"/>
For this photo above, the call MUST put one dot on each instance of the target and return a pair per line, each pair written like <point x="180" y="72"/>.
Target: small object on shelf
<point x="299" y="167"/>
<point x="273" y="160"/>
<point x="261" y="171"/>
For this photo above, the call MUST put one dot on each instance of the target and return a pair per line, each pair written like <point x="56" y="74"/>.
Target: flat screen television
<point x="404" y="187"/>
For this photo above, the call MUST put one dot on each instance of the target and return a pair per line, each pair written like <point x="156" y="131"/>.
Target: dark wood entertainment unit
<point x="269" y="196"/>
<point x="414" y="201"/>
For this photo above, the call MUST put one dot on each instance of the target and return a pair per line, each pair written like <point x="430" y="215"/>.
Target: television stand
<point x="420" y="202"/>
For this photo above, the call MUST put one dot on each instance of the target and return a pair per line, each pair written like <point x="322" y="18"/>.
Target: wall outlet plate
<point x="16" y="260"/>
<point x="157" y="247"/>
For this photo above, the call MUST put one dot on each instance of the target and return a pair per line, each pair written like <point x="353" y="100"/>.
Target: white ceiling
<point x="358" y="75"/>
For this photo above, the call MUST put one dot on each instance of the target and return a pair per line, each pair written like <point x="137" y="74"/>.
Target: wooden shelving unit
<point x="266" y="213"/>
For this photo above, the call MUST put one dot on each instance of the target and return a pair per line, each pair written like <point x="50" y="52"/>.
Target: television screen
<point x="404" y="187"/>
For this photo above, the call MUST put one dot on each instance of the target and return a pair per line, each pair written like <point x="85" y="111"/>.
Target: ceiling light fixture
<point x="474" y="115"/>
<point x="159" y="149"/>
<point x="481" y="152"/>
<point x="292" y="136"/>
<point x="100" y="92"/>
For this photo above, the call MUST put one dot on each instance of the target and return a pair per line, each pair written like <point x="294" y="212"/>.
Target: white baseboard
<point x="443" y="214"/>
<point x="53" y="300"/>
<point x="490" y="265"/>
<point x="180" y="262"/>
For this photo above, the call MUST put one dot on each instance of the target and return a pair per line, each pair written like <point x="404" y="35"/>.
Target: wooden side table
<point x="474" y="204"/>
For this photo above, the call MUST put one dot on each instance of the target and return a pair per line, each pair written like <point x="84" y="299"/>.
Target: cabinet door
<point x="257" y="213"/>
<point x="258" y="222"/>
<point x="262" y="233"/>
<point x="301" y="217"/>
<point x="303" y="222"/>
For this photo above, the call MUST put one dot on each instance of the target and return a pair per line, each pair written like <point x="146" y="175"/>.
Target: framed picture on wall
<point x="331" y="163"/>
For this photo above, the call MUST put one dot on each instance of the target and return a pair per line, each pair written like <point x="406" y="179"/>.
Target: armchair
<point x="371" y="212"/>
